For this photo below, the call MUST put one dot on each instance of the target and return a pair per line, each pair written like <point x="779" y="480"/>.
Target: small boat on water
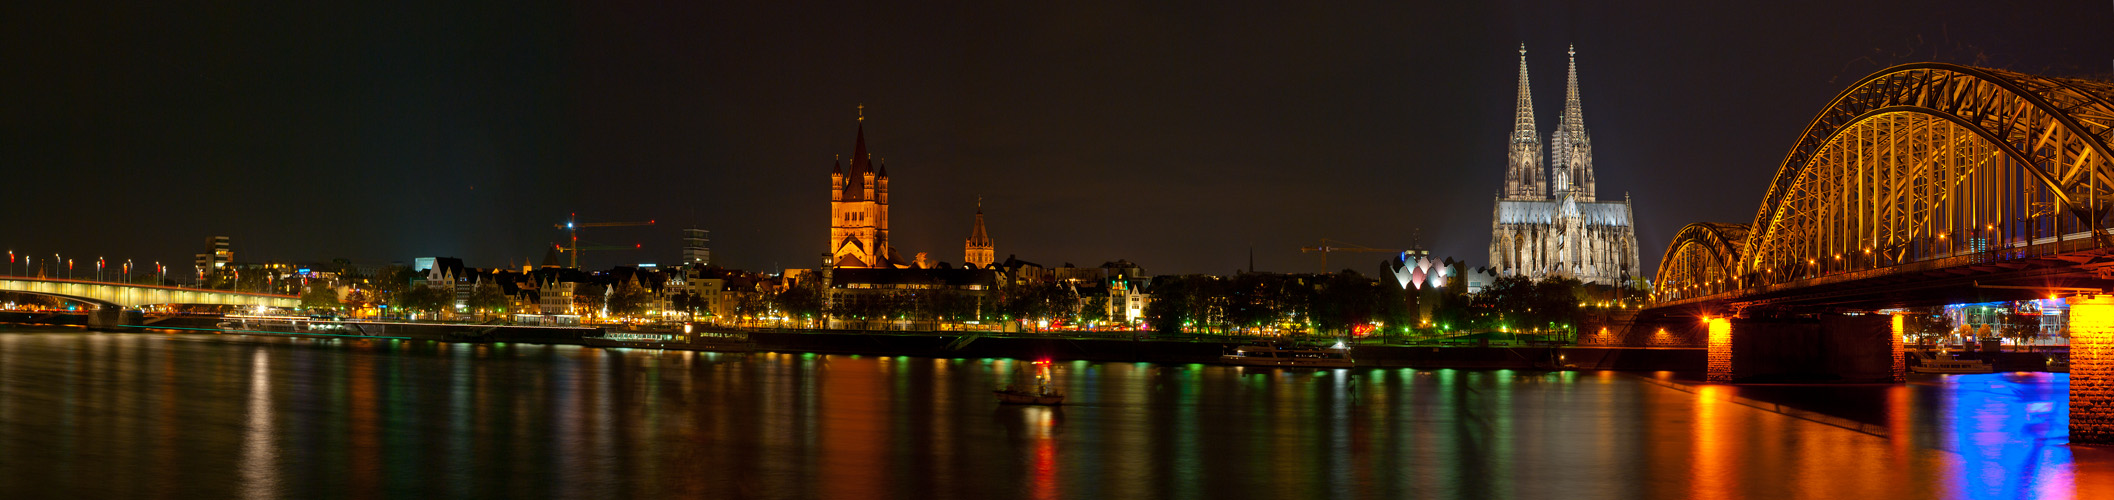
<point x="1038" y="393"/>
<point x="1930" y="363"/>
<point x="1291" y="356"/>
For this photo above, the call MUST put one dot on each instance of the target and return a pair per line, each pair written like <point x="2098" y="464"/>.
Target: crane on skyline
<point x="1330" y="246"/>
<point x="572" y="229"/>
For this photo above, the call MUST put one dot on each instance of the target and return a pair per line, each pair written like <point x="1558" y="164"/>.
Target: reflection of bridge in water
<point x="110" y="299"/>
<point x="1920" y="185"/>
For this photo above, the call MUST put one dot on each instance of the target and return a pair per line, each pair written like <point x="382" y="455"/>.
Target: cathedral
<point x="1550" y="223"/>
<point x="858" y="206"/>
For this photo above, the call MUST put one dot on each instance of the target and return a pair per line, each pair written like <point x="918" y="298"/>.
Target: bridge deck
<point x="131" y="295"/>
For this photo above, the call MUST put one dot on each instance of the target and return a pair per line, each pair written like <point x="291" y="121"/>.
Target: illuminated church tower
<point x="1555" y="226"/>
<point x="979" y="251"/>
<point x="1523" y="175"/>
<point x="858" y="206"/>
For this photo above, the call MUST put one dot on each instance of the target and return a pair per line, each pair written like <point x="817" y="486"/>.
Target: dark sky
<point x="1175" y="134"/>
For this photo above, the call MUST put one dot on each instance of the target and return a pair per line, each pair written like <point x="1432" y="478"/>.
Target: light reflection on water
<point x="214" y="416"/>
<point x="2009" y="434"/>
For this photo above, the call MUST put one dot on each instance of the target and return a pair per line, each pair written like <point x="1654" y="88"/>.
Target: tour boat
<point x="1336" y="356"/>
<point x="1038" y="393"/>
<point x="1931" y="364"/>
<point x="298" y="325"/>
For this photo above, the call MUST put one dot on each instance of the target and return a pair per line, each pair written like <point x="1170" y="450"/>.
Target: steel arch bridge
<point x="122" y="295"/>
<point x="1921" y="176"/>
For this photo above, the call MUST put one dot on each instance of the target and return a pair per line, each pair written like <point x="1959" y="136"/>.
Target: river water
<point x="151" y="415"/>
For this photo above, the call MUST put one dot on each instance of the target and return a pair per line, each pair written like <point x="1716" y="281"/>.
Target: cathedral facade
<point x="858" y="206"/>
<point x="1549" y="223"/>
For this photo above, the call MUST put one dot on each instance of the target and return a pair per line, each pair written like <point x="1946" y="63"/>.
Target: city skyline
<point x="469" y="132"/>
<point x="1648" y="249"/>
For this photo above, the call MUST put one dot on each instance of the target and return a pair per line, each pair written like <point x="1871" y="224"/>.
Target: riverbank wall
<point x="1167" y="351"/>
<point x="954" y="346"/>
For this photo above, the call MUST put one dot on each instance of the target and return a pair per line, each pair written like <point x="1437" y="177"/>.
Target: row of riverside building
<point x="862" y="266"/>
<point x="1546" y="222"/>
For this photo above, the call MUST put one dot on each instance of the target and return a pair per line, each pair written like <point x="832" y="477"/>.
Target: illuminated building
<point x="444" y="273"/>
<point x="217" y="255"/>
<point x="695" y="253"/>
<point x="979" y="251"/>
<point x="1425" y="280"/>
<point x="858" y="202"/>
<point x="865" y="298"/>
<point x="1556" y="227"/>
<point x="554" y="290"/>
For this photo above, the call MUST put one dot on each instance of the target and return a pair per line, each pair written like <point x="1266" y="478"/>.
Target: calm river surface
<point x="149" y="415"/>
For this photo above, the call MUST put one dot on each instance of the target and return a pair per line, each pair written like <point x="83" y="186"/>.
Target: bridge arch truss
<point x="1701" y="261"/>
<point x="1919" y="163"/>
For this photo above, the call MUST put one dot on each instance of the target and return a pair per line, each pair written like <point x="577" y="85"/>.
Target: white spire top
<point x="1523" y="169"/>
<point x="1523" y="116"/>
<point x="1569" y="147"/>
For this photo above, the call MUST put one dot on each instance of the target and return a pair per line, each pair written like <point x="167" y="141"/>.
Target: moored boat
<point x="1931" y="364"/>
<point x="294" y="325"/>
<point x="1290" y="356"/>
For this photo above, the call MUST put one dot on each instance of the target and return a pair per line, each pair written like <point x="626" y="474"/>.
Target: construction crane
<point x="1330" y="246"/>
<point x="572" y="228"/>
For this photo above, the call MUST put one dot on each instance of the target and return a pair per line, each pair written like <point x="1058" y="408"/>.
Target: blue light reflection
<point x="2009" y="430"/>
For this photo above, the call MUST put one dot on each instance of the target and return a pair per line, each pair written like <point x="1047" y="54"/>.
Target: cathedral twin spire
<point x="1523" y="172"/>
<point x="1570" y="150"/>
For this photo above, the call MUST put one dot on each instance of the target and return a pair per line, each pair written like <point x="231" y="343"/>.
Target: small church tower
<point x="979" y="251"/>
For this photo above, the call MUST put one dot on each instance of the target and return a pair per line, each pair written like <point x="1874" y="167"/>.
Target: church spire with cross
<point x="979" y="250"/>
<point x="1523" y="170"/>
<point x="1570" y="148"/>
<point x="859" y="209"/>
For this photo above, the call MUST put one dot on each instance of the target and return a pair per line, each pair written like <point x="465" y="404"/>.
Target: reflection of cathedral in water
<point x="1554" y="227"/>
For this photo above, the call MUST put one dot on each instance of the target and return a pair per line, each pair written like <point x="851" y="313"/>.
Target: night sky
<point x="1178" y="135"/>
